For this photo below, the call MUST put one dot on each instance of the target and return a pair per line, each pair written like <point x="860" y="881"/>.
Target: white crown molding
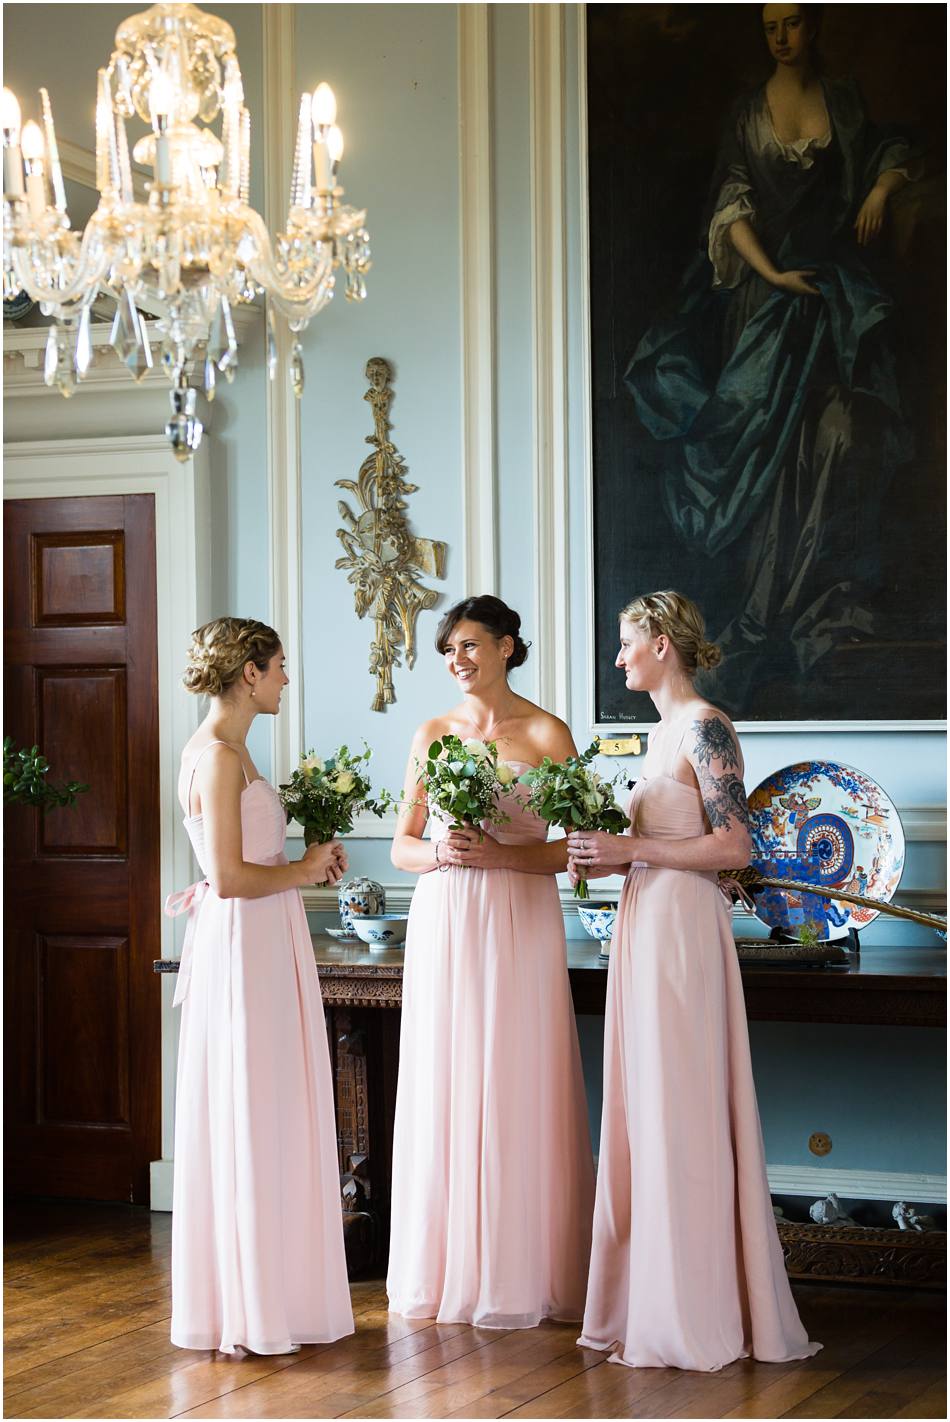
<point x="479" y="467"/>
<point x="549" y="356"/>
<point x="820" y="1180"/>
<point x="24" y="352"/>
<point x="283" y="407"/>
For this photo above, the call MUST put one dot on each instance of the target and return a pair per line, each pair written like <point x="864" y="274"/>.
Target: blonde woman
<point x="686" y="1266"/>
<point x="257" y="1235"/>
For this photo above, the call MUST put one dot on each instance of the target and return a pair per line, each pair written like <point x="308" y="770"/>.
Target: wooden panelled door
<point x="82" y="1035"/>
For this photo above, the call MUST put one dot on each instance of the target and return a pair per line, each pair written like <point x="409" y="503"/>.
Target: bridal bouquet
<point x="568" y="793"/>
<point x="325" y="795"/>
<point x="464" y="778"/>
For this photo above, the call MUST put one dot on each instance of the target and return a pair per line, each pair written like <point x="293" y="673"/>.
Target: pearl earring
<point x="253" y="692"/>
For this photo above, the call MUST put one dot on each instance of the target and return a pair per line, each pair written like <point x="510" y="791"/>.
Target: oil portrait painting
<point x="768" y="334"/>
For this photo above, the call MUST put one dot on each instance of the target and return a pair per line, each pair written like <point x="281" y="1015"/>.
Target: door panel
<point x="82" y="1039"/>
<point x="84" y="710"/>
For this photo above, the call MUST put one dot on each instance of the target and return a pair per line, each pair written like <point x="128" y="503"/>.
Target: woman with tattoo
<point x="686" y="1266"/>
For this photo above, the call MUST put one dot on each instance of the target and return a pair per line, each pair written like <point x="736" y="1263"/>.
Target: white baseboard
<point x="820" y="1180"/>
<point x="161" y="1173"/>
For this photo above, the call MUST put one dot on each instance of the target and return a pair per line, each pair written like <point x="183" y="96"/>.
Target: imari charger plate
<point x="824" y="823"/>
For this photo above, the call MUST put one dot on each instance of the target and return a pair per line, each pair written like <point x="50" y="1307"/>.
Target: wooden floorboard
<point x="87" y="1306"/>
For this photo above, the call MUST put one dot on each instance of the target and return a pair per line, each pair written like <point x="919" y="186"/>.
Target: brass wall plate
<point x="620" y="745"/>
<point x="819" y="1143"/>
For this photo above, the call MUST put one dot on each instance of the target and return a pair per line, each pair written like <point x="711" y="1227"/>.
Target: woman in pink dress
<point x="492" y="1168"/>
<point x="686" y="1265"/>
<point x="257" y="1233"/>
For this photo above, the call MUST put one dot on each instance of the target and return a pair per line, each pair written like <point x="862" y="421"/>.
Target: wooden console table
<point x="898" y="987"/>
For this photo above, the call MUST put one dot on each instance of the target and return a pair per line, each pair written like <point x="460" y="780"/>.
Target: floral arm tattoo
<point x="717" y="770"/>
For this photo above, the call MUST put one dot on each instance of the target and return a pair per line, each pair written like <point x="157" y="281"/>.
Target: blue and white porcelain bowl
<point x="598" y="920"/>
<point x="384" y="930"/>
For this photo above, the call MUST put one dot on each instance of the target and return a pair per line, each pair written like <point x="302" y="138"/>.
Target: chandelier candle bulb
<point x="33" y="148"/>
<point x="322" y="165"/>
<point x="324" y="106"/>
<point x="161" y="99"/>
<point x="335" y="148"/>
<point x="12" y="157"/>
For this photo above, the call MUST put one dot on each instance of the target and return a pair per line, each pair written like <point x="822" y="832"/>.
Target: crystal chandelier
<point x="196" y="249"/>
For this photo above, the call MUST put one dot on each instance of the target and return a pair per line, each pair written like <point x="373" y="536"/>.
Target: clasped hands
<point x="470" y="848"/>
<point x="327" y="863"/>
<point x="594" y="854"/>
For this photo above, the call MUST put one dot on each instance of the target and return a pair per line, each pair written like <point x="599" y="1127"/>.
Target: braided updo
<point x="670" y="614"/>
<point x="491" y="613"/>
<point x="221" y="649"/>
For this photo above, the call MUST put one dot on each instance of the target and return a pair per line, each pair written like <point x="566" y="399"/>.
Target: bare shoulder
<point x="549" y="734"/>
<point x="221" y="762"/>
<point x="712" y="738"/>
<point x="432" y="730"/>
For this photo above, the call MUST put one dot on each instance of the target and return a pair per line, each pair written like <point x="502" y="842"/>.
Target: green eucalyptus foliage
<point x="325" y="795"/>
<point x="25" y="783"/>
<point x="569" y="794"/>
<point x="461" y="781"/>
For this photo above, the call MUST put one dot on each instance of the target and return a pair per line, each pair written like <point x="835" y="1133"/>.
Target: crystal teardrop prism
<point x="223" y="347"/>
<point x="126" y="334"/>
<point x="84" y="342"/>
<point x="139" y="361"/>
<point x="209" y="378"/>
<point x="296" y="370"/>
<point x="271" y="344"/>
<point x="51" y="359"/>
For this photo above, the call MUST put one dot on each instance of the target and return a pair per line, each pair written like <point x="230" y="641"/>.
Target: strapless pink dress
<point x="492" y="1190"/>
<point x="257" y="1229"/>
<point x="686" y="1266"/>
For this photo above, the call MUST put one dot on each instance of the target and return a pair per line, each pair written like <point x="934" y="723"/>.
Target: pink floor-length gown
<point x="686" y="1265"/>
<point x="492" y="1191"/>
<point x="257" y="1232"/>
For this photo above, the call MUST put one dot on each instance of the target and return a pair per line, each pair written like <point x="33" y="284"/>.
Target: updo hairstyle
<point x="491" y="613"/>
<point x="221" y="649"/>
<point x="671" y="615"/>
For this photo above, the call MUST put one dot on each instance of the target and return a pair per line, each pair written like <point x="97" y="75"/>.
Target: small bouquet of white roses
<point x="325" y="795"/>
<point x="463" y="780"/>
<point x="568" y="793"/>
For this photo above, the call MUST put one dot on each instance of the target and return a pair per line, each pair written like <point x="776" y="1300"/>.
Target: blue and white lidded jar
<point x="361" y="897"/>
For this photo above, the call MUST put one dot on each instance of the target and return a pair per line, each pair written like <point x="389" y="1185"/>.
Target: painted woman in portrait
<point x="775" y="374"/>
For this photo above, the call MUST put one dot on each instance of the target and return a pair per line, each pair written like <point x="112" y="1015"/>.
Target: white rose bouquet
<point x="464" y="778"/>
<point x="568" y="793"/>
<point x="325" y="795"/>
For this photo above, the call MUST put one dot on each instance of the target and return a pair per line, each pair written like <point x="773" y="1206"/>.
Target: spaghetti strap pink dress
<point x="686" y="1266"/>
<point x="493" y="1179"/>
<point x="257" y="1231"/>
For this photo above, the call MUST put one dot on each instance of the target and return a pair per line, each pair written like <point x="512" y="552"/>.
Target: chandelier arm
<point x="297" y="299"/>
<point x="87" y="274"/>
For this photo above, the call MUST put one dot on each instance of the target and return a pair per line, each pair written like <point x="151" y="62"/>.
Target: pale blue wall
<point x="878" y="1091"/>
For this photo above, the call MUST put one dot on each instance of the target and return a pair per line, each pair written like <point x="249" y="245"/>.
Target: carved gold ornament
<point x="383" y="557"/>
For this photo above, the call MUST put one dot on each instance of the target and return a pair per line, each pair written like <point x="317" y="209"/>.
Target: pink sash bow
<point x="186" y="901"/>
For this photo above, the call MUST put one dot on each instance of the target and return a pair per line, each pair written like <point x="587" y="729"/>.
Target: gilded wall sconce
<point x="384" y="558"/>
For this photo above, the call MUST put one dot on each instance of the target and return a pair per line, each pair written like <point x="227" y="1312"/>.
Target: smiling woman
<point x="489" y="1067"/>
